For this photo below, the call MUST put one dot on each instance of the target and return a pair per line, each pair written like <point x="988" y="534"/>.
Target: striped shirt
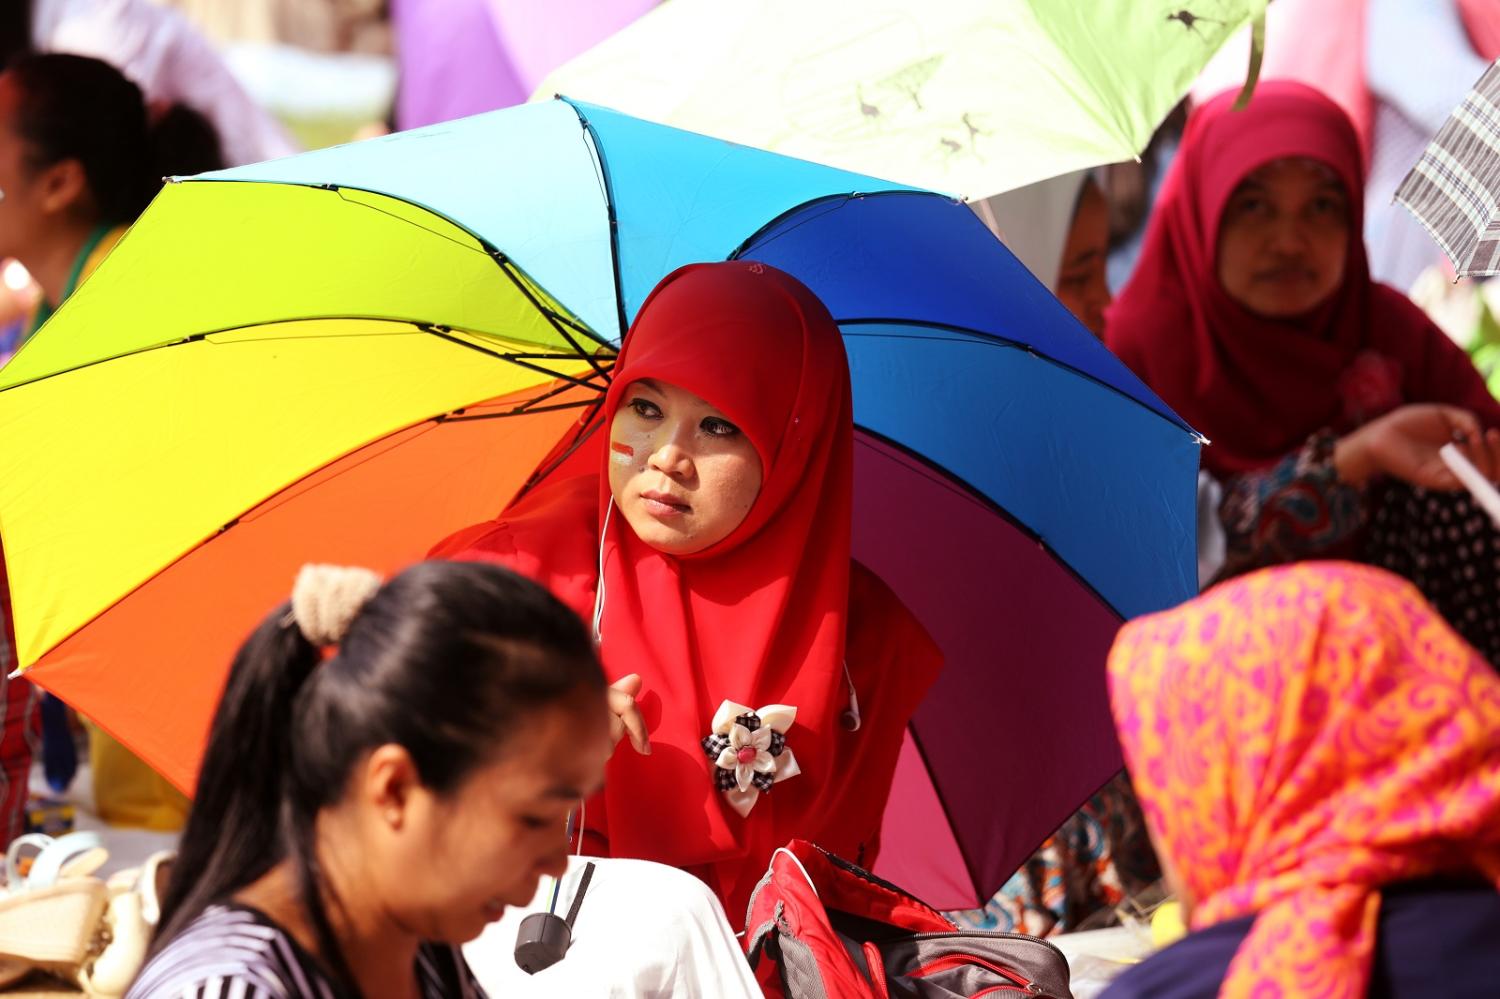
<point x="236" y="952"/>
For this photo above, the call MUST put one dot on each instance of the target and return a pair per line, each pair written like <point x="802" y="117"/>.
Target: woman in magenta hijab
<point x="1325" y="394"/>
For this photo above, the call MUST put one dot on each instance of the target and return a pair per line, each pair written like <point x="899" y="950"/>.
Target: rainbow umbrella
<point x="345" y="355"/>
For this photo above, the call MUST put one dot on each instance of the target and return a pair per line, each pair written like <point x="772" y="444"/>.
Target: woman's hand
<point x="625" y="716"/>
<point x="1404" y="444"/>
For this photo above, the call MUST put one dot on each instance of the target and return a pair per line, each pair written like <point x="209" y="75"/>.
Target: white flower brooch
<point x="749" y="751"/>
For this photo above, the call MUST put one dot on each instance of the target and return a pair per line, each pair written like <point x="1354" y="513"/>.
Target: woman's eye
<point x="1251" y="206"/>
<point x="719" y="428"/>
<point x="645" y="409"/>
<point x="532" y="822"/>
<point x="1328" y="206"/>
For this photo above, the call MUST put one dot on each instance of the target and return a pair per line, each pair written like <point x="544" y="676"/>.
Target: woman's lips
<point x="663" y="504"/>
<point x="1287" y="275"/>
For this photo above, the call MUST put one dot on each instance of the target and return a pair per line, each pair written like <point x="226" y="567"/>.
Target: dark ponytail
<point x="443" y="661"/>
<point x="74" y="107"/>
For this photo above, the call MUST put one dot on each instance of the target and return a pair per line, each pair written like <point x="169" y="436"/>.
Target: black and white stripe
<point x="233" y="952"/>
<point x="1454" y="189"/>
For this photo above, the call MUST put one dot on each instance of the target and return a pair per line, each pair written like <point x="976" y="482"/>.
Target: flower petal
<point x="725" y="716"/>
<point x="742" y="774"/>
<point x="764" y="763"/>
<point x="778" y="716"/>
<point x="742" y="801"/>
<point x="761" y="738"/>
<point x="728" y="760"/>
<point x="740" y="737"/>
<point x="786" y="765"/>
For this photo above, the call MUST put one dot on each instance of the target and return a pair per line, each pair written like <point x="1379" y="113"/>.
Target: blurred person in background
<point x="1397" y="68"/>
<point x="80" y="158"/>
<point x="1060" y="229"/>
<point x="318" y="25"/>
<point x="161" y="52"/>
<point x="1326" y="395"/>
<point x="1131" y="189"/>
<point x="324" y="68"/>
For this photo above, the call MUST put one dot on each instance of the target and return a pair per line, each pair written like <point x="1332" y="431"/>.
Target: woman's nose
<point x="554" y="863"/>
<point x="669" y="456"/>
<point x="1289" y="236"/>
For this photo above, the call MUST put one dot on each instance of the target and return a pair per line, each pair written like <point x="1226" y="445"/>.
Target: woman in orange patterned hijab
<point x="1309" y="743"/>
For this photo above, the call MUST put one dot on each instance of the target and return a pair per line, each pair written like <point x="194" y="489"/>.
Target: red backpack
<point x="821" y="928"/>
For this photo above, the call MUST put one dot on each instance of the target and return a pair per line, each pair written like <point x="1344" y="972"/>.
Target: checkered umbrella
<point x="1454" y="190"/>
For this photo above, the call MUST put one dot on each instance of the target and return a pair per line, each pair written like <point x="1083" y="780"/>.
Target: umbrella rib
<point x="845" y="198"/>
<point x="375" y="448"/>
<point x="526" y="409"/>
<point x="586" y="427"/>
<point x="1002" y="341"/>
<point x="446" y="333"/>
<point x="506" y="266"/>
<point x="941" y="476"/>
<point x="485" y="247"/>
<point x="916" y="741"/>
<point x="530" y="405"/>
<point x="609" y="207"/>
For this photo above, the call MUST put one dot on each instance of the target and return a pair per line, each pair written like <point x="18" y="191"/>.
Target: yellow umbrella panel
<point x="310" y="337"/>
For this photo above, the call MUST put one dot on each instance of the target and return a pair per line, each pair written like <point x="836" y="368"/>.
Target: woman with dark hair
<point x="162" y="51"/>
<point x="80" y="158"/>
<point x="390" y="767"/>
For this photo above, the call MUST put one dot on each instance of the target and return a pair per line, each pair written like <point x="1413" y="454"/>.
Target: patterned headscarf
<point x="1300" y="738"/>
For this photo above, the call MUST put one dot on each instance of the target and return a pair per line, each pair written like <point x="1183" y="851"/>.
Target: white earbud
<point x="850" y="717"/>
<point x="599" y="588"/>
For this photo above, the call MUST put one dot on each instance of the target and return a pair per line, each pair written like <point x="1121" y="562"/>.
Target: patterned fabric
<point x="1455" y="187"/>
<point x="1299" y="509"/>
<point x="1299" y="738"/>
<point x="236" y="952"/>
<point x="1295" y="509"/>
<point x="20" y="727"/>
<point x="1099" y="857"/>
<point x="1447" y="545"/>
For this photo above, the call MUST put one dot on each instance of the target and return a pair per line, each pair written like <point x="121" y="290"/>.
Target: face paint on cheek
<point x="621" y="453"/>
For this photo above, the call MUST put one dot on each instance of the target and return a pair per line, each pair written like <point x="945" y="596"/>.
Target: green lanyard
<point x="44" y="309"/>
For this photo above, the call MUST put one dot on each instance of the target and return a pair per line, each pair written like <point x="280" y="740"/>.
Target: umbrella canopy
<point x="1454" y="190"/>
<point x="345" y="355"/>
<point x="973" y="97"/>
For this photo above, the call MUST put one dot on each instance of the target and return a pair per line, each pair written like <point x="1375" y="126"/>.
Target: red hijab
<point x="1257" y="387"/>
<point x="759" y="618"/>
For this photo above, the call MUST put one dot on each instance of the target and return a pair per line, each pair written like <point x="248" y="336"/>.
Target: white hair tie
<point x="326" y="598"/>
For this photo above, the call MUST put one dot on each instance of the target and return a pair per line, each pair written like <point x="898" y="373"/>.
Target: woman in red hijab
<point x="706" y="535"/>
<point x="1326" y="395"/>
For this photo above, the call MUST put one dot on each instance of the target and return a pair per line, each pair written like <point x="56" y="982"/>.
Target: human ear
<point x="389" y="781"/>
<point x="63" y="185"/>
